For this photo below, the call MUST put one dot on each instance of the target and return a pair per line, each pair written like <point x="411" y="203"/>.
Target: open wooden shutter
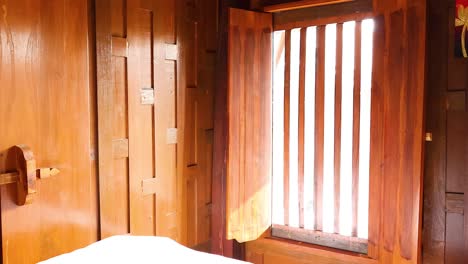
<point x="248" y="204"/>
<point x="397" y="129"/>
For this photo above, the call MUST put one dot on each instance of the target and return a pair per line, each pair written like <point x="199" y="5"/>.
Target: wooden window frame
<point x="395" y="236"/>
<point x="320" y="16"/>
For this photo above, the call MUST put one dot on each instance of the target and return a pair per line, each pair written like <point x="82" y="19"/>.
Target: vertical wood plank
<point x="248" y="168"/>
<point x="454" y="250"/>
<point x="319" y="127"/>
<point x="141" y="122"/>
<point x="356" y="126"/>
<point x="168" y="221"/>
<point x="287" y="115"/>
<point x="338" y="99"/>
<point x="376" y="137"/>
<point x="392" y="135"/>
<point x="105" y="82"/>
<point x="466" y="179"/>
<point x="301" y="129"/>
<point x="456" y="119"/>
<point x="435" y="152"/>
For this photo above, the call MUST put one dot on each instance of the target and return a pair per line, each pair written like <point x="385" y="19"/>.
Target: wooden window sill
<point x="277" y="250"/>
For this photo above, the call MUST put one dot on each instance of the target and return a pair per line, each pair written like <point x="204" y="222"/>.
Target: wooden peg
<point x="43" y="173"/>
<point x="26" y="173"/>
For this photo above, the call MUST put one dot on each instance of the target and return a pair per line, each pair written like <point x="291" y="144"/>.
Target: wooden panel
<point x="435" y="151"/>
<point x="220" y="245"/>
<point x="456" y="140"/>
<point x="141" y="130"/>
<point x="166" y="55"/>
<point x="44" y="48"/>
<point x="113" y="119"/>
<point x="319" y="127"/>
<point x="455" y="244"/>
<point x="118" y="18"/>
<point x="376" y="138"/>
<point x="392" y="137"/>
<point x="249" y="125"/>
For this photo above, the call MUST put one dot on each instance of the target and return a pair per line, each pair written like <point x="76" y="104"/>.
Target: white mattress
<point x="138" y="250"/>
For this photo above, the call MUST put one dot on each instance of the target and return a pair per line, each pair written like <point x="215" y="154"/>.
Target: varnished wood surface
<point x="248" y="208"/>
<point x="445" y="230"/>
<point x="338" y="110"/>
<point x="46" y="102"/>
<point x="220" y="245"/>
<point x="279" y="251"/>
<point x="301" y="4"/>
<point x="356" y="127"/>
<point x="435" y="151"/>
<point x="319" y="127"/>
<point x="396" y="163"/>
<point x="161" y="180"/>
<point x="322" y="15"/>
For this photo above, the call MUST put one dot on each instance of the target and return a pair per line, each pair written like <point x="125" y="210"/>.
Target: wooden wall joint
<point x="455" y="203"/>
<point x="119" y="47"/>
<point x="171" y="52"/>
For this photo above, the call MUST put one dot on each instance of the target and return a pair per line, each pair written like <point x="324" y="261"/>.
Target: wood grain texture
<point x="322" y="15"/>
<point x="278" y="251"/>
<point x="249" y="102"/>
<point x="301" y="127"/>
<point x="376" y="137"/>
<point x="220" y="245"/>
<point x="44" y="48"/>
<point x="403" y="111"/>
<point x="454" y="250"/>
<point x="456" y="140"/>
<point x="356" y="127"/>
<point x="319" y="127"/>
<point x="338" y="110"/>
<point x="455" y="203"/>
<point x="301" y="4"/>
<point x="112" y="118"/>
<point x="435" y="152"/>
<point x="161" y="37"/>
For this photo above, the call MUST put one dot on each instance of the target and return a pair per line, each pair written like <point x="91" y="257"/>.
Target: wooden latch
<point x="25" y="174"/>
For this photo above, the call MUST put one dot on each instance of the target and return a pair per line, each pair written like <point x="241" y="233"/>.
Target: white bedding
<point x="138" y="250"/>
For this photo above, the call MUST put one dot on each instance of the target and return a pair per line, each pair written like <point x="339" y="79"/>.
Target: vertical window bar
<point x="301" y="130"/>
<point x="319" y="128"/>
<point x="356" y="126"/>
<point x="338" y="96"/>
<point x="287" y="84"/>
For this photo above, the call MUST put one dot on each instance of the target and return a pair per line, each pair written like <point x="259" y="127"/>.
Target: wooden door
<point x="445" y="227"/>
<point x="140" y="124"/>
<point x="156" y="72"/>
<point x="46" y="95"/>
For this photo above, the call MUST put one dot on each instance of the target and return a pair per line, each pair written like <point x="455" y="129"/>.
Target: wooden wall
<point x="156" y="158"/>
<point x="445" y="187"/>
<point x="48" y="100"/>
<point x="201" y="20"/>
<point x="47" y="97"/>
